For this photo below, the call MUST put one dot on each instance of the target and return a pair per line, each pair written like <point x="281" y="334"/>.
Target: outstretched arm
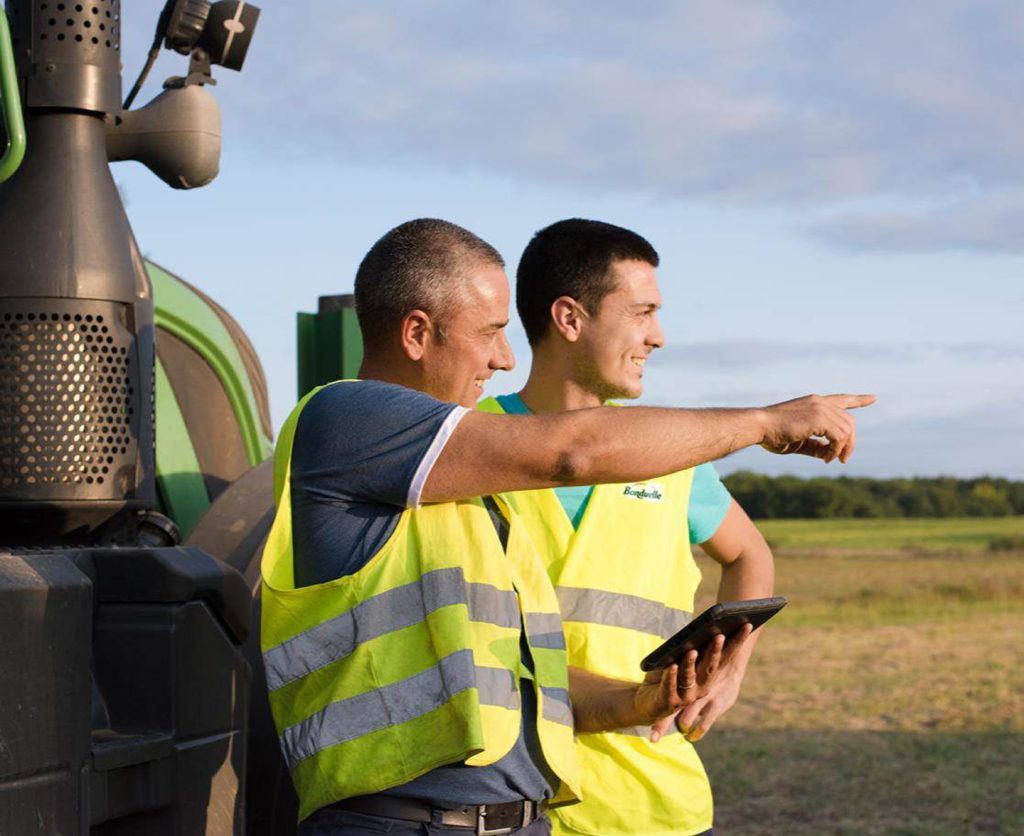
<point x="493" y="453"/>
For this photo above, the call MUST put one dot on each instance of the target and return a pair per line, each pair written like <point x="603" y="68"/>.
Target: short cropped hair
<point x="416" y="265"/>
<point x="572" y="258"/>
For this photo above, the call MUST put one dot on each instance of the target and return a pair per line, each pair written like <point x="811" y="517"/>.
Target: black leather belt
<point x="484" y="820"/>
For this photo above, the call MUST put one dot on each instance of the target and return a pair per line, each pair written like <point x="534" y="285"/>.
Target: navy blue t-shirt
<point x="361" y="455"/>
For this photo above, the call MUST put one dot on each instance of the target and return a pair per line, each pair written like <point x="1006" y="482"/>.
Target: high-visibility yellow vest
<point x="413" y="661"/>
<point x="625" y="580"/>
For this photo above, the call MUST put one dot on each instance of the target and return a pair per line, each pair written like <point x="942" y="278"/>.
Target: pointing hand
<point x="815" y="425"/>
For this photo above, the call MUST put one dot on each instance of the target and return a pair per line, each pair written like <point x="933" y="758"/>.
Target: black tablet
<point x="723" y="619"/>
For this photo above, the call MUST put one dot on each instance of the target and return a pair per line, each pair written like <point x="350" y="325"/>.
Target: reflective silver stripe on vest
<point x="598" y="606"/>
<point x="398" y="703"/>
<point x="548" y="641"/>
<point x="392" y="610"/>
<point x="491" y="605"/>
<point x="543" y="622"/>
<point x="557" y="707"/>
<point x="545" y="630"/>
<point x="497" y="686"/>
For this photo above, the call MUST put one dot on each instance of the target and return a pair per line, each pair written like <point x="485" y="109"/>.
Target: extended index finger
<point x="852" y="401"/>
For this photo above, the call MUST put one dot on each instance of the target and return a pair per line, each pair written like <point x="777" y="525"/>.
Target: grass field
<point x="916" y="536"/>
<point x="889" y="696"/>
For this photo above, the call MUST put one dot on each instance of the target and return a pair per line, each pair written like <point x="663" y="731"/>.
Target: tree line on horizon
<point x="793" y="497"/>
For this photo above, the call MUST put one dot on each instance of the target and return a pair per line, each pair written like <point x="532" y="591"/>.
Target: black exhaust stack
<point x="76" y="311"/>
<point x="124" y="694"/>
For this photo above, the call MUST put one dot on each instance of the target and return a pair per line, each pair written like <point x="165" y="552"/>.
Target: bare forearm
<point x="606" y="444"/>
<point x="743" y="579"/>
<point x="634" y="443"/>
<point x="583" y="447"/>
<point x="748" y="568"/>
<point x="749" y="576"/>
<point x="602" y="704"/>
<point x="747" y="573"/>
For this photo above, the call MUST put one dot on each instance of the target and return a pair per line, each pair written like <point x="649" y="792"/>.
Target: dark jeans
<point x="347" y="823"/>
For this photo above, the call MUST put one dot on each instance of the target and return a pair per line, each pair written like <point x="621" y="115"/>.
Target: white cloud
<point x="986" y="221"/>
<point x="747" y="103"/>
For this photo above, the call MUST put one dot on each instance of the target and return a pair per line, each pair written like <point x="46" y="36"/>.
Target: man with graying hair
<point x="414" y="653"/>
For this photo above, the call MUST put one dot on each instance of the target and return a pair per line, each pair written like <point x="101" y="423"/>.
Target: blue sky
<point x="836" y="190"/>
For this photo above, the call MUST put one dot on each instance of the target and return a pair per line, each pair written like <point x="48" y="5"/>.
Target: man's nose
<point x="503" y="357"/>
<point x="656" y="337"/>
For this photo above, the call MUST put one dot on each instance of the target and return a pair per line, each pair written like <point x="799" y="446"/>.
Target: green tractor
<point x="135" y="441"/>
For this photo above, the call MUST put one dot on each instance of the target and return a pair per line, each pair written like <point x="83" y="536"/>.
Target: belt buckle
<point x="481" y="820"/>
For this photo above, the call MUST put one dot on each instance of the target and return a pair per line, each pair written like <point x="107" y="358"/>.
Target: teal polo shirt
<point x="709" y="498"/>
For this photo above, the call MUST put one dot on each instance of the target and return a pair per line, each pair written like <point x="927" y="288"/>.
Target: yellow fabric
<point x="627" y="543"/>
<point x="455" y="539"/>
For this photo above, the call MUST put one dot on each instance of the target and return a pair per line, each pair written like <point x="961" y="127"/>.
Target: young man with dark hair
<point x="572" y="258"/>
<point x="619" y="555"/>
<point x="413" y="649"/>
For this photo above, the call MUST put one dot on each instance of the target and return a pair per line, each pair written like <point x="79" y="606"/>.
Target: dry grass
<point x="869" y="589"/>
<point x="836" y="782"/>
<point x="887" y="698"/>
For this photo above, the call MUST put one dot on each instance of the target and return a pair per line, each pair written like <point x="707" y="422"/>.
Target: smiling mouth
<point x="638" y="361"/>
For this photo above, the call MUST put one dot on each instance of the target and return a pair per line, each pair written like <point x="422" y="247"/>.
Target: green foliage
<point x="790" y="497"/>
<point x="1006" y="543"/>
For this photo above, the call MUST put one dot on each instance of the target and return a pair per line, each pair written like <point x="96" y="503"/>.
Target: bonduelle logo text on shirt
<point x="645" y="491"/>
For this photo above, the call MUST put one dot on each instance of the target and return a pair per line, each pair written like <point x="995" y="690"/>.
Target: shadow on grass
<point x="848" y="782"/>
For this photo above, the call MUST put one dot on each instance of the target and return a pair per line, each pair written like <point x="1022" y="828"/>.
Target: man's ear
<point x="567" y="318"/>
<point x="417" y="331"/>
